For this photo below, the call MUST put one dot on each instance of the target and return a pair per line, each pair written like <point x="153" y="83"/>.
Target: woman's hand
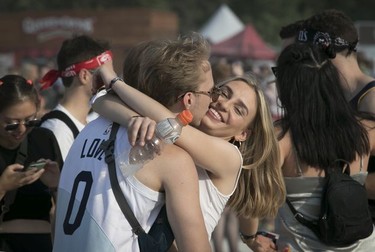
<point x="13" y="177"/>
<point x="51" y="174"/>
<point x="262" y="244"/>
<point x="140" y="129"/>
<point x="107" y="73"/>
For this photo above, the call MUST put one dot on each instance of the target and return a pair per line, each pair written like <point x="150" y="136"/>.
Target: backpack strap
<point x="313" y="225"/>
<point x="299" y="217"/>
<point x="108" y="147"/>
<point x="58" y="114"/>
<point x="340" y="165"/>
<point x="11" y="195"/>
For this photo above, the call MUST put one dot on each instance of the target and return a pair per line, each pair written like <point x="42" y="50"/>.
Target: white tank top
<point x="212" y="201"/>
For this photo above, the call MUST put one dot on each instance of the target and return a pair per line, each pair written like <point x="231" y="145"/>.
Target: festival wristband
<point x="113" y="81"/>
<point x="245" y="238"/>
<point x="274" y="237"/>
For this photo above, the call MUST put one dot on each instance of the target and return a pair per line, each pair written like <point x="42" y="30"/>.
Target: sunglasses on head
<point x="28" y="124"/>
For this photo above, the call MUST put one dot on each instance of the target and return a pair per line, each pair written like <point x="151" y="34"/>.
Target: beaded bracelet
<point x="113" y="82"/>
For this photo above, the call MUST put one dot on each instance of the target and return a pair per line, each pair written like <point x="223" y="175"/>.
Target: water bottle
<point x="167" y="131"/>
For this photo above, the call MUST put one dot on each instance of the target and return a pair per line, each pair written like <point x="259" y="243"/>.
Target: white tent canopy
<point x="222" y="25"/>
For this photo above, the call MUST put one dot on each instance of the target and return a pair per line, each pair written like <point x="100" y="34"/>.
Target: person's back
<point x="359" y="88"/>
<point x="315" y="132"/>
<point x="77" y="59"/>
<point x="101" y="226"/>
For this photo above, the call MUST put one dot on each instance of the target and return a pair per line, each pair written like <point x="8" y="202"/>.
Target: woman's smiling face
<point x="233" y="111"/>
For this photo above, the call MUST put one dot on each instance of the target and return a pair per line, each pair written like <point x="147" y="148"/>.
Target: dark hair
<point x="78" y="49"/>
<point x="15" y="89"/>
<point x="291" y="30"/>
<point x="338" y="25"/>
<point x="323" y="125"/>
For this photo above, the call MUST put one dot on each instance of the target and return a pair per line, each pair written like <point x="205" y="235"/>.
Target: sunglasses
<point x="28" y="124"/>
<point x="213" y="93"/>
<point x="274" y="71"/>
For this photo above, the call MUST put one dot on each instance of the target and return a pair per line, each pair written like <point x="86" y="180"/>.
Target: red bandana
<point x="51" y="76"/>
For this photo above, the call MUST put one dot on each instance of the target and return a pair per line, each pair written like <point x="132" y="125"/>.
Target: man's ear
<point x="84" y="76"/>
<point x="243" y="135"/>
<point x="188" y="100"/>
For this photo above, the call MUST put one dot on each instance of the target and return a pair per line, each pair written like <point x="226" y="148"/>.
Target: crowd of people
<point x="259" y="138"/>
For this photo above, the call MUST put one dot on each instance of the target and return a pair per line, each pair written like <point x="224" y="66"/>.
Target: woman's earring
<point x="235" y="142"/>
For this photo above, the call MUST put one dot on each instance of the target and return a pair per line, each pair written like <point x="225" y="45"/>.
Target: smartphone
<point x="37" y="164"/>
<point x="274" y="237"/>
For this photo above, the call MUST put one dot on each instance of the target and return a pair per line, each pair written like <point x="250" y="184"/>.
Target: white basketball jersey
<point x="88" y="218"/>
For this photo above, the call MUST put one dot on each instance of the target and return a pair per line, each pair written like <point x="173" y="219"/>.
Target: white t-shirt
<point x="88" y="218"/>
<point x="62" y="132"/>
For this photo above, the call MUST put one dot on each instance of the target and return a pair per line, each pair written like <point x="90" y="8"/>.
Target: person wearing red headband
<point x="77" y="61"/>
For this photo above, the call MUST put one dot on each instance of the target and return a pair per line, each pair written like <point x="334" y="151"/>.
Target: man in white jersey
<point x="88" y="217"/>
<point x="77" y="59"/>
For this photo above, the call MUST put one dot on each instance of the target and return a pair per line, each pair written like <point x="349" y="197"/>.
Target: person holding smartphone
<point x="28" y="176"/>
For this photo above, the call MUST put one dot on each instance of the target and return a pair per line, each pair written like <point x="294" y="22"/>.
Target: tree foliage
<point x="268" y="16"/>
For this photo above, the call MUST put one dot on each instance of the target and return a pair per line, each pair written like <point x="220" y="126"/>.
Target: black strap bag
<point x="345" y="217"/>
<point x="160" y="237"/>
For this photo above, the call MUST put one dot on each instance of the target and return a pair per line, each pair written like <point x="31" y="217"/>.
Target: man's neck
<point x="77" y="102"/>
<point x="352" y="78"/>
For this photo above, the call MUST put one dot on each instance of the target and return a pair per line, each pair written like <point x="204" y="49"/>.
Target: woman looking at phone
<point x="25" y="189"/>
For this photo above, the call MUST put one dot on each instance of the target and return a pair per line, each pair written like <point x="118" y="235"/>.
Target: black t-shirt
<point x="32" y="201"/>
